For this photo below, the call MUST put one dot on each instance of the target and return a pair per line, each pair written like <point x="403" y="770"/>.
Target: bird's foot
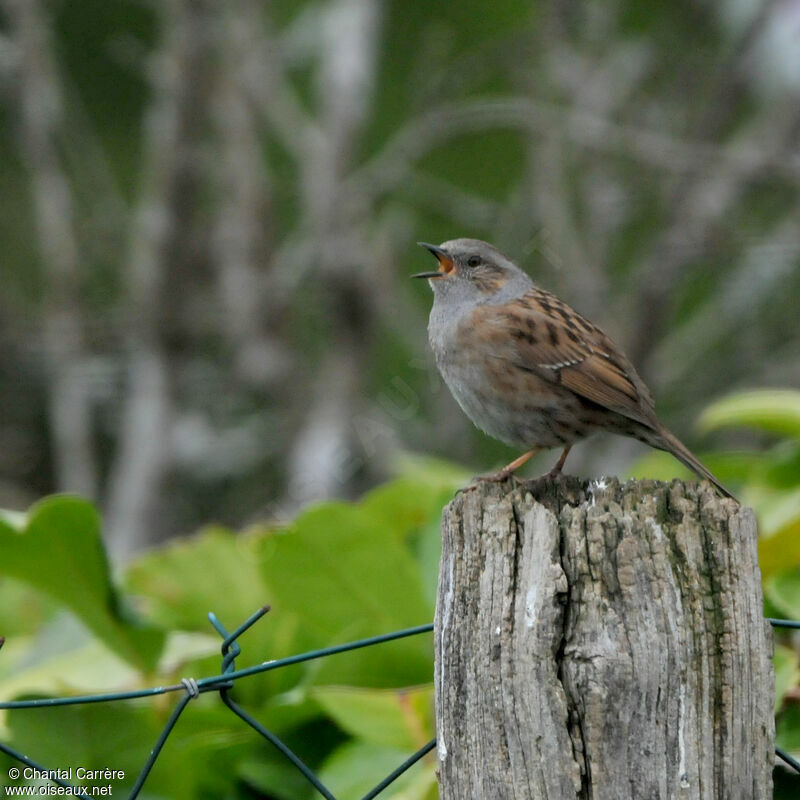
<point x="496" y="477"/>
<point x="503" y="474"/>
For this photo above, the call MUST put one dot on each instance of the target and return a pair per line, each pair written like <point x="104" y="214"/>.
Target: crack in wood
<point x="599" y="640"/>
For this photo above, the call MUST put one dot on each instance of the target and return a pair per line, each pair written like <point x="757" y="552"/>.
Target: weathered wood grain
<point x="601" y="641"/>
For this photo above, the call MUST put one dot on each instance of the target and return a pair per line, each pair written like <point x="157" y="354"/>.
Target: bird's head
<point x="470" y="268"/>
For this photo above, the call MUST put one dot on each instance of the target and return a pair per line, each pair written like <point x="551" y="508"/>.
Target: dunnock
<point x="526" y="368"/>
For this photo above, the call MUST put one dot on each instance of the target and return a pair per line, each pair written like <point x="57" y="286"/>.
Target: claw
<point x="496" y="477"/>
<point x="508" y="471"/>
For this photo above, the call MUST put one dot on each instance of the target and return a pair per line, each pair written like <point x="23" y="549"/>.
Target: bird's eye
<point x="473" y="261"/>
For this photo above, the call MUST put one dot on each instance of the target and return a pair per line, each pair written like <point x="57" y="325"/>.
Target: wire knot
<point x="192" y="689"/>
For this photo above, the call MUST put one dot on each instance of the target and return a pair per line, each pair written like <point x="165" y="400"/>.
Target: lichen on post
<point x="601" y="640"/>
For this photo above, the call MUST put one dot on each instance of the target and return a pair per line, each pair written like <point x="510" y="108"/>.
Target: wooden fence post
<point x="601" y="640"/>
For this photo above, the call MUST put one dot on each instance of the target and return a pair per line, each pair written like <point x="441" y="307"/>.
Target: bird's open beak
<point x="446" y="265"/>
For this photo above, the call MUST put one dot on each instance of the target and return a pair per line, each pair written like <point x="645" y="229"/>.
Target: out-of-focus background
<point x="208" y="214"/>
<point x="208" y="217"/>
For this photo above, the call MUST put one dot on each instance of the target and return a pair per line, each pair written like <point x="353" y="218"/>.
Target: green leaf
<point x="217" y="570"/>
<point x="780" y="466"/>
<point x="87" y="669"/>
<point x="783" y="591"/>
<point x="431" y="472"/>
<point x="183" y="648"/>
<point x="22" y="608"/>
<point x="787" y="672"/>
<point x="780" y="551"/>
<point x="787" y="729"/>
<point x="58" y="550"/>
<point x="181" y="582"/>
<point x="337" y="568"/>
<point x="401" y="719"/>
<point x="198" y="761"/>
<point x="776" y="508"/>
<point x="774" y="410"/>
<point x="412" y="506"/>
<point x="429" y="554"/>
<point x="403" y="506"/>
<point x="658" y="466"/>
<point x="356" y="767"/>
<point x="345" y="576"/>
<point x="92" y="736"/>
<point x="275" y="777"/>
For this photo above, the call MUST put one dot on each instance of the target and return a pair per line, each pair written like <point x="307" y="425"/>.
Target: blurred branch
<point x="41" y="129"/>
<point x="706" y="193"/>
<point x="98" y="198"/>
<point x="468" y="209"/>
<point x="273" y="93"/>
<point x="9" y="57"/>
<point x="600" y="85"/>
<point x="749" y="289"/>
<point x="695" y="215"/>
<point x="722" y="101"/>
<point x="398" y="157"/>
<point x="548" y="172"/>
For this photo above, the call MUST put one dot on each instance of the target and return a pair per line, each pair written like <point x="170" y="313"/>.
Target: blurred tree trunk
<point x="162" y="268"/>
<point x="245" y="226"/>
<point x="326" y="453"/>
<point x="42" y="125"/>
<point x="214" y="341"/>
<point x="602" y="641"/>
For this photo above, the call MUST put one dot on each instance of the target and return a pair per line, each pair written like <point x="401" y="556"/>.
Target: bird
<point x="527" y="368"/>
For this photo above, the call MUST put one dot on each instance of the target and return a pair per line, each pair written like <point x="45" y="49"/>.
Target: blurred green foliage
<point x="626" y="155"/>
<point x="631" y="156"/>
<point x="340" y="571"/>
<point x="61" y="536"/>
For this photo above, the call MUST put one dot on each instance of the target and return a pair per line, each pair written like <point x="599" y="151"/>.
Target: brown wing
<point x="558" y="344"/>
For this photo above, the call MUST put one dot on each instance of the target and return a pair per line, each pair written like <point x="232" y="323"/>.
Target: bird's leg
<point x="560" y="463"/>
<point x="508" y="469"/>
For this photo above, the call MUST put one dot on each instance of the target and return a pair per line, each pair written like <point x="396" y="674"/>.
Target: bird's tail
<point x="665" y="440"/>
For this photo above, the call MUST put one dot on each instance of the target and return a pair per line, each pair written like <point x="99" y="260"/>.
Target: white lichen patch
<point x="684" y="778"/>
<point x="597" y="485"/>
<point x="530" y="607"/>
<point x="656" y="528"/>
<point x="446" y="614"/>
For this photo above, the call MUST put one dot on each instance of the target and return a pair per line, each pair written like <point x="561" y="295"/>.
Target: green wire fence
<point x="223" y="683"/>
